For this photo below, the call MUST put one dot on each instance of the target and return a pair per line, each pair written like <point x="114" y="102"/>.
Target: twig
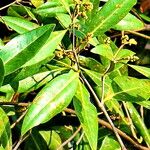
<point x="124" y="135"/>
<point x="8" y="5"/>
<point x="18" y="120"/>
<point x="121" y="133"/>
<point x="20" y="141"/>
<point x="140" y="34"/>
<point x="102" y="107"/>
<point x="70" y="139"/>
<point x="14" y="103"/>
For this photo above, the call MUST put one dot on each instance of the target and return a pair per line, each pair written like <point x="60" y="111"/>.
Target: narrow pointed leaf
<point x="138" y="122"/>
<point x="143" y="70"/>
<point x="5" y="132"/>
<point x="47" y="50"/>
<point x="129" y="22"/>
<point x="20" y="25"/>
<point x="51" y="100"/>
<point x="129" y="89"/>
<point x="66" y="5"/>
<point x="110" y="14"/>
<point x="23" y="47"/>
<point x="2" y="72"/>
<point x="87" y="115"/>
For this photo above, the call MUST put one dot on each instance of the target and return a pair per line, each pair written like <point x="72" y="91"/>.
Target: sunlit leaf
<point x="129" y="22"/>
<point x="110" y="143"/>
<point x="87" y="114"/>
<point x="20" y="25"/>
<point x="51" y="100"/>
<point x="18" y="51"/>
<point x="5" y="132"/>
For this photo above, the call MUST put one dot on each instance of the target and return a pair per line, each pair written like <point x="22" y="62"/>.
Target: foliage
<point x="64" y="77"/>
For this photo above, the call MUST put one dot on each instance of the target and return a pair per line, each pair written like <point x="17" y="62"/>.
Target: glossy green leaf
<point x="91" y="64"/>
<point x="95" y="76"/>
<point x="5" y="131"/>
<point x="129" y="22"/>
<point x="87" y="114"/>
<point x="51" y="100"/>
<point x="18" y="51"/>
<point x="47" y="50"/>
<point x="110" y="144"/>
<point x="20" y="25"/>
<point x="64" y="19"/>
<point x="2" y="72"/>
<point x="124" y="53"/>
<point x="104" y="50"/>
<point x="129" y="89"/>
<point x="37" y="3"/>
<point x="34" y="82"/>
<point x="110" y="14"/>
<point x="50" y="9"/>
<point x="137" y="120"/>
<point x="143" y="70"/>
<point x="66" y="5"/>
<point x="52" y="139"/>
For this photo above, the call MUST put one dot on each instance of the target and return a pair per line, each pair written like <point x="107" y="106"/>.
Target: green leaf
<point x="138" y="122"/>
<point x="18" y="51"/>
<point x="91" y="64"/>
<point x="129" y="89"/>
<point x="129" y="22"/>
<point x="64" y="19"/>
<point x="33" y="82"/>
<point x="51" y="100"/>
<point x="110" y="144"/>
<point x="110" y="14"/>
<point x="95" y="76"/>
<point x="35" y="141"/>
<point x="52" y="139"/>
<point x="5" y="131"/>
<point x="143" y="70"/>
<point x="2" y="72"/>
<point x="20" y="25"/>
<point x="50" y="9"/>
<point x="104" y="50"/>
<point x="87" y="114"/>
<point x="66" y="5"/>
<point x="48" y="48"/>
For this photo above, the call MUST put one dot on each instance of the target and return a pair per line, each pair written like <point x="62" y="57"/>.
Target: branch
<point x="70" y="139"/>
<point x="121" y="133"/>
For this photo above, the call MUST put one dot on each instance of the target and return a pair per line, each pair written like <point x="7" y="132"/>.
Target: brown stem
<point x="121" y="133"/>
<point x="14" y="103"/>
<point x="70" y="139"/>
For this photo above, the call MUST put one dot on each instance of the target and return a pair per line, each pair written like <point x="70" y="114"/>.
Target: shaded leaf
<point x="143" y="70"/>
<point x="18" y="51"/>
<point x="87" y="114"/>
<point x="51" y="100"/>
<point x="5" y="132"/>
<point x="129" y="22"/>
<point x="2" y="72"/>
<point x="20" y="25"/>
<point x="52" y="139"/>
<point x="137" y="120"/>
